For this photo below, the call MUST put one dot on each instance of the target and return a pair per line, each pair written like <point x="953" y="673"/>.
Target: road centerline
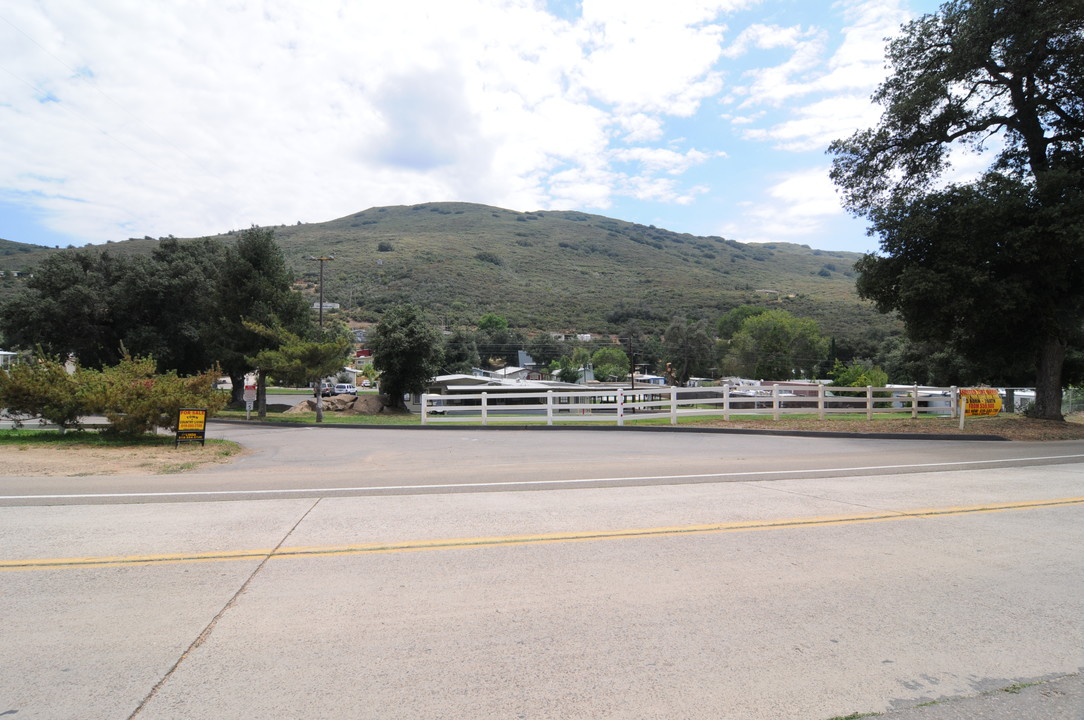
<point x="280" y="552"/>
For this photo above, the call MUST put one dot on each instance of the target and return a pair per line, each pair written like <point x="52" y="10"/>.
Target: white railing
<point x="622" y="405"/>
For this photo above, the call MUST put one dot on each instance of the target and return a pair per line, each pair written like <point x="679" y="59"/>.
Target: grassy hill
<point x="549" y="270"/>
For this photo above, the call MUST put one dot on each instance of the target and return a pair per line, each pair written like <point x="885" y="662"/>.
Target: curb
<point x="626" y="428"/>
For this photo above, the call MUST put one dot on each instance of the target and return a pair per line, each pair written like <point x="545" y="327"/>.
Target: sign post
<point x="191" y="426"/>
<point x="250" y="396"/>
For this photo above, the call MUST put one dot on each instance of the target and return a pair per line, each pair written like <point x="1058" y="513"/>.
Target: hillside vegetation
<point x="548" y="270"/>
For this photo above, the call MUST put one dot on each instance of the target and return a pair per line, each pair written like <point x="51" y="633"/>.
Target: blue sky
<point x="122" y="119"/>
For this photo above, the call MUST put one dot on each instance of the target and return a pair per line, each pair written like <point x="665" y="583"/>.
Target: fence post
<point x="485" y="410"/>
<point x="869" y="402"/>
<point x="673" y="405"/>
<point x="914" y="402"/>
<point x="775" y="402"/>
<point x="425" y="404"/>
<point x="726" y="402"/>
<point x="954" y="401"/>
<point x="820" y="400"/>
<point x="620" y="406"/>
<point x="963" y="410"/>
<point x="549" y="407"/>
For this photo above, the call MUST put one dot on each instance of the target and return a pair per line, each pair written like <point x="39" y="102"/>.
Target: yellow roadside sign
<point x="191" y="426"/>
<point x="981" y="401"/>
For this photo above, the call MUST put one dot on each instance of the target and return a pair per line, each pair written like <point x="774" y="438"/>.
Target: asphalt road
<point x="520" y="574"/>
<point x="307" y="461"/>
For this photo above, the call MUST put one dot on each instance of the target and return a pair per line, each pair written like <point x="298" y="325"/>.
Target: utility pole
<point x="322" y="259"/>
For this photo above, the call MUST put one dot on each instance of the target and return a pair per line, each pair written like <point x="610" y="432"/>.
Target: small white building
<point x="7" y="359"/>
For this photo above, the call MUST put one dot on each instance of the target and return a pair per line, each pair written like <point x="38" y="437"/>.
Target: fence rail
<point x="623" y="405"/>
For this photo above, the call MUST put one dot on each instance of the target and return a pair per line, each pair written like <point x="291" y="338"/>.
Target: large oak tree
<point x="992" y="268"/>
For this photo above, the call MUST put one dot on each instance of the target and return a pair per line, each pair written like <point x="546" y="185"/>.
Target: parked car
<point x="326" y="389"/>
<point x="345" y="389"/>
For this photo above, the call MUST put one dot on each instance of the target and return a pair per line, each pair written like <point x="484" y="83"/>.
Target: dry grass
<point x="83" y="459"/>
<point x="1009" y="426"/>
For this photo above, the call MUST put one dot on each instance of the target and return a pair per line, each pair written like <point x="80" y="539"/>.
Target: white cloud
<point x="839" y="82"/>
<point x="798" y="206"/>
<point x="180" y="118"/>
<point x="652" y="57"/>
<point x="818" y="92"/>
<point x="581" y="188"/>
<point x="818" y="124"/>
<point x="661" y="159"/>
<point x="765" y="37"/>
<point x="665" y="190"/>
<point x="640" y="128"/>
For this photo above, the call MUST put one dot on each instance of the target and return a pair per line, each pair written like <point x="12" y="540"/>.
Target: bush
<point x="135" y="400"/>
<point x="489" y="257"/>
<point x="42" y="389"/>
<point x="130" y="395"/>
<point x="858" y="373"/>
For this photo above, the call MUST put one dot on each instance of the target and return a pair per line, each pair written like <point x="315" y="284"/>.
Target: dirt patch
<point x="1008" y="426"/>
<point x="77" y="460"/>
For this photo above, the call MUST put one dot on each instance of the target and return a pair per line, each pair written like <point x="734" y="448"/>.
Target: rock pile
<point x="345" y="404"/>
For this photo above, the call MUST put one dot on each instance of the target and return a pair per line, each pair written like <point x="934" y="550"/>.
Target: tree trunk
<point x="319" y="401"/>
<point x="1048" y="380"/>
<point x="237" y="392"/>
<point x="261" y="395"/>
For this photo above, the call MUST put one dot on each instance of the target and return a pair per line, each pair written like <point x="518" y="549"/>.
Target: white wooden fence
<point x="622" y="405"/>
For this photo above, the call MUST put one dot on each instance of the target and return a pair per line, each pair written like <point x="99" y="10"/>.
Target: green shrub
<point x="135" y="400"/>
<point x="44" y="389"/>
<point x="130" y="394"/>
<point x="858" y="373"/>
<point x="489" y="257"/>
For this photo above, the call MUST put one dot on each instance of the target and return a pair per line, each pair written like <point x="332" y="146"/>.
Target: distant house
<point x="362" y="354"/>
<point x="448" y="386"/>
<point x="506" y="373"/>
<point x="7" y="359"/>
<point x="566" y="337"/>
<point x="650" y="379"/>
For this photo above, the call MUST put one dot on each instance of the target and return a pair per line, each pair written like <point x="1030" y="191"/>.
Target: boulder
<point x="367" y="404"/>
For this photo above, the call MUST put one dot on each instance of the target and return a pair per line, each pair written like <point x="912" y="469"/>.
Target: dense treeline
<point x="194" y="305"/>
<point x="191" y="305"/>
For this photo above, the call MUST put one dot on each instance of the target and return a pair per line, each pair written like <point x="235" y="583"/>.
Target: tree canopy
<point x="689" y="350"/>
<point x="775" y="345"/>
<point x="1004" y="78"/>
<point x="254" y="288"/>
<point x="299" y="361"/>
<point x="406" y="350"/>
<point x="185" y="305"/>
<point x="610" y="364"/>
<point x="461" y="352"/>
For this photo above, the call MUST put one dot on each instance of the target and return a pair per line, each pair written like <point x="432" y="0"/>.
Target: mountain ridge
<point x="555" y="270"/>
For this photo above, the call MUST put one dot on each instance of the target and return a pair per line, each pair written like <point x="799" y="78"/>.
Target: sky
<point x="125" y="118"/>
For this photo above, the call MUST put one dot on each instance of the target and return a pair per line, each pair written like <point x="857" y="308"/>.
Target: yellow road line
<point x="503" y="541"/>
